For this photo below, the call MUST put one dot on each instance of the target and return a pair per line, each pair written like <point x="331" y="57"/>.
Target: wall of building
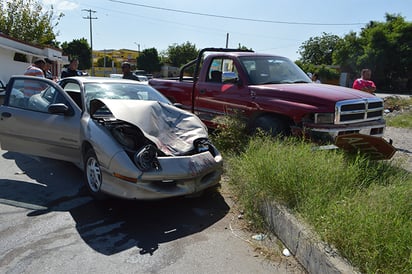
<point x="9" y="66"/>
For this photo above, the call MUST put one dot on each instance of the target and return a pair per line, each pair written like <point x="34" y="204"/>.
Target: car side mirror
<point x="59" y="108"/>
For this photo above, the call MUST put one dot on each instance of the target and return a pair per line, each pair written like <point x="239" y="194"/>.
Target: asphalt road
<point x="49" y="224"/>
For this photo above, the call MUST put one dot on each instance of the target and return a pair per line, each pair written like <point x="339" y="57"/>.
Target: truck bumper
<point x="330" y="132"/>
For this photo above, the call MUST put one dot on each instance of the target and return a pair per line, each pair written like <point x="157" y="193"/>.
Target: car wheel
<point x="274" y="125"/>
<point x="93" y="175"/>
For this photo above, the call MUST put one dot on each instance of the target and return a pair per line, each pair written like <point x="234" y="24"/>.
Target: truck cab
<point x="272" y="93"/>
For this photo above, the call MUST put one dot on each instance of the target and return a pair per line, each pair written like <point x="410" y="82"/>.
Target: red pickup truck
<point x="273" y="94"/>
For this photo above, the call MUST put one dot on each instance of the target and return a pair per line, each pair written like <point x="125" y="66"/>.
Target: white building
<point x="16" y="56"/>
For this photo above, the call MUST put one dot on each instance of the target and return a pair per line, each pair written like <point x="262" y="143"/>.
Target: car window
<point x="73" y="90"/>
<point x="34" y="94"/>
<point x="122" y="91"/>
<point x="72" y="87"/>
<point x="222" y="70"/>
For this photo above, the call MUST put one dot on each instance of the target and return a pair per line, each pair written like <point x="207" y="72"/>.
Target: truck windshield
<point x="272" y="70"/>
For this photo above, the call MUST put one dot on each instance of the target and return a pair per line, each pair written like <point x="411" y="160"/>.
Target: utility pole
<point x="91" y="33"/>
<point x="138" y="47"/>
<point x="227" y="40"/>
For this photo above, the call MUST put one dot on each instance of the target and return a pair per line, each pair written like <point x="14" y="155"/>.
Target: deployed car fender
<point x="101" y="141"/>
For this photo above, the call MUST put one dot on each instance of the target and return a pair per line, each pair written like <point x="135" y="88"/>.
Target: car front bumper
<point x="177" y="176"/>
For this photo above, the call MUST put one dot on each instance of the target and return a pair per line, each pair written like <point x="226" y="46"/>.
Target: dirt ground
<point x="402" y="141"/>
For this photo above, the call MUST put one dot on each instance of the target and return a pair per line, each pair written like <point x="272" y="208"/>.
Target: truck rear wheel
<point x="274" y="125"/>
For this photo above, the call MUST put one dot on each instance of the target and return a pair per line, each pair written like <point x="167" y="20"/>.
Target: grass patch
<point x="403" y="120"/>
<point x="397" y="103"/>
<point x="362" y="207"/>
<point x="231" y="134"/>
<point x="401" y="112"/>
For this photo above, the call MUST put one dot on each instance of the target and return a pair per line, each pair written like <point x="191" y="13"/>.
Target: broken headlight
<point x="202" y="145"/>
<point x="146" y="158"/>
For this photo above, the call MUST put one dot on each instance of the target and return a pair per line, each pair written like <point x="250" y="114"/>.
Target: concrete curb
<point x="315" y="256"/>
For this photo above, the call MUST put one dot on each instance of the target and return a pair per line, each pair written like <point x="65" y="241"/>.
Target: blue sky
<point x="270" y="26"/>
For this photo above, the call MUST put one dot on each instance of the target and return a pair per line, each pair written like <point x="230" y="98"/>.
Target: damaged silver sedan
<point x="129" y="140"/>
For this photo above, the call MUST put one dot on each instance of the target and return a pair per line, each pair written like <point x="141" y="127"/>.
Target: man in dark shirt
<point x="72" y="69"/>
<point x="47" y="70"/>
<point x="127" y="72"/>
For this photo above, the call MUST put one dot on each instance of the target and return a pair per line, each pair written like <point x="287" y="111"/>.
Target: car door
<point x="45" y="123"/>
<point x="219" y="94"/>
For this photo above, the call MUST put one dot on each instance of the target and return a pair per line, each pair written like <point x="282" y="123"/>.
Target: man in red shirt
<point x="365" y="83"/>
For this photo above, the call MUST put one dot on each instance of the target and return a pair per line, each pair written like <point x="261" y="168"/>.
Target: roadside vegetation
<point x="361" y="207"/>
<point x="401" y="112"/>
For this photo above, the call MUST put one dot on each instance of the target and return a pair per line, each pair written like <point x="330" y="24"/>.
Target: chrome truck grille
<point x="358" y="110"/>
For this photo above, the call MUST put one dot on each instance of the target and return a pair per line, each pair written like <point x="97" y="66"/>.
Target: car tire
<point x="274" y="125"/>
<point x="93" y="175"/>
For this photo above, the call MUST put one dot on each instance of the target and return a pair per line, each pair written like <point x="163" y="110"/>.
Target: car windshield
<point x="122" y="91"/>
<point x="273" y="70"/>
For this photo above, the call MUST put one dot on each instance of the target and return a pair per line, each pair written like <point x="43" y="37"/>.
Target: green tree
<point x="347" y="52"/>
<point x="149" y="60"/>
<point x="319" y="50"/>
<point x="178" y="55"/>
<point x="242" y="47"/>
<point x="384" y="47"/>
<point x="80" y="49"/>
<point x="327" y="74"/>
<point x="26" y="20"/>
<point x="387" y="50"/>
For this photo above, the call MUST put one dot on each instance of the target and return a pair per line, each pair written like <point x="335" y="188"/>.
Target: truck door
<point x="220" y="93"/>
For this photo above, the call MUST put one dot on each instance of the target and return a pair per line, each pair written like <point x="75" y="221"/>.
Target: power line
<point x="238" y="18"/>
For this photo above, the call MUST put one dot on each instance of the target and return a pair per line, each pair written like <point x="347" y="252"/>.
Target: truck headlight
<point x="324" y="118"/>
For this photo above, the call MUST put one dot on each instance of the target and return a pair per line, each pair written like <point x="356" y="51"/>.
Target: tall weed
<point x="362" y="207"/>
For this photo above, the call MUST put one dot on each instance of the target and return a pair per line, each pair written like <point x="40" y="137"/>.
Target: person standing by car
<point x="37" y="68"/>
<point x="315" y="78"/>
<point x="127" y="72"/>
<point x="72" y="69"/>
<point x="47" y="70"/>
<point x="365" y="83"/>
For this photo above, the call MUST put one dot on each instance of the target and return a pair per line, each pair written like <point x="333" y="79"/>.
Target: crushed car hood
<point x="171" y="128"/>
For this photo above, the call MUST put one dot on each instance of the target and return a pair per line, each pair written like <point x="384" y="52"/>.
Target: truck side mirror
<point x="230" y="78"/>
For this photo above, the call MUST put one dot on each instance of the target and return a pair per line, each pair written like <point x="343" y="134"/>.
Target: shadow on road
<point x="109" y="226"/>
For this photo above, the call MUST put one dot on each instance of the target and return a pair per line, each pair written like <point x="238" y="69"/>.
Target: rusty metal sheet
<point x="376" y="148"/>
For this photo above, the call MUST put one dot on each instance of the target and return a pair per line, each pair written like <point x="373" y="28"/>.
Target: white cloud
<point x="61" y="6"/>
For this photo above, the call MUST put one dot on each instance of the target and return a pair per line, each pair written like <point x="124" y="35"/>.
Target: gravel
<point x="402" y="141"/>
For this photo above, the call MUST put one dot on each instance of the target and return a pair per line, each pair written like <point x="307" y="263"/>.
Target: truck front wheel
<point x="274" y="125"/>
